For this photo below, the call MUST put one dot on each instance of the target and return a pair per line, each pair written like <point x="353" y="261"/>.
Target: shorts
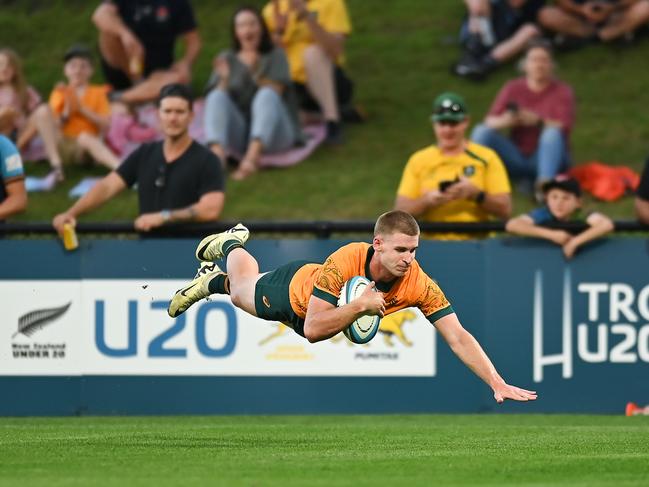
<point x="272" y="301"/>
<point x="71" y="153"/>
<point x="344" y="92"/>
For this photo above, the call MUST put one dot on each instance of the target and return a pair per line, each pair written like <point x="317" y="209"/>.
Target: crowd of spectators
<point x="284" y="68"/>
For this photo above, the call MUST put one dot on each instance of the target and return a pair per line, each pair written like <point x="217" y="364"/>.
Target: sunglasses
<point x="453" y="108"/>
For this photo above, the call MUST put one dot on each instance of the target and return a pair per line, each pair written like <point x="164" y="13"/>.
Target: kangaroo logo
<point x="392" y="326"/>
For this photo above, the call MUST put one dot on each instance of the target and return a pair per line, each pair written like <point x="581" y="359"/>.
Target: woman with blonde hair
<point x="22" y="112"/>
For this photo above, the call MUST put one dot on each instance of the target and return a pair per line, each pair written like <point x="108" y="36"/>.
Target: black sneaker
<point x="334" y="133"/>
<point x="469" y="67"/>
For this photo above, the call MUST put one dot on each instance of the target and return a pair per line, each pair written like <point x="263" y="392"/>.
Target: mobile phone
<point x="444" y="185"/>
<point x="512" y="106"/>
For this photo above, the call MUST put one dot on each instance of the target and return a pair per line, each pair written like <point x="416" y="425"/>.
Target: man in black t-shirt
<point x="642" y="196"/>
<point x="137" y="40"/>
<point x="178" y="180"/>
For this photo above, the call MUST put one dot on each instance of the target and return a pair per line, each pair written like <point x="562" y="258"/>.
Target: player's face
<point x="247" y="29"/>
<point x="78" y="71"/>
<point x="396" y="251"/>
<point x="450" y="135"/>
<point x="175" y="116"/>
<point x="561" y="203"/>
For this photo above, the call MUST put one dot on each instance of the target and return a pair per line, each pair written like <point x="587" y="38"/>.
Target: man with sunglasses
<point x="455" y="180"/>
<point x="178" y="180"/>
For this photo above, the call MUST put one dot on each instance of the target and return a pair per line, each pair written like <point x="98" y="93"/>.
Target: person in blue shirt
<point x="562" y="204"/>
<point x="13" y="196"/>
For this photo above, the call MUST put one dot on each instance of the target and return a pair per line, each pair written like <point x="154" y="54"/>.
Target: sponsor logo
<point x="469" y="171"/>
<point x="32" y="322"/>
<point x="13" y="163"/>
<point x="266" y="302"/>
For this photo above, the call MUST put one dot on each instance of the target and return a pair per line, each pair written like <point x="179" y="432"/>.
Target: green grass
<point x="399" y="55"/>
<point x="483" y="450"/>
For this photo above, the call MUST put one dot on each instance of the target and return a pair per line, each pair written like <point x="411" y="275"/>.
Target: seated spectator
<point x="562" y="204"/>
<point x="582" y="20"/>
<point x="539" y="111"/>
<point x="82" y="110"/>
<point x="178" y="180"/>
<point x="137" y="42"/>
<point x="642" y="196"/>
<point x="13" y="196"/>
<point x="252" y="108"/>
<point x="455" y="180"/>
<point x="313" y="35"/>
<point x="494" y="32"/>
<point x="22" y="115"/>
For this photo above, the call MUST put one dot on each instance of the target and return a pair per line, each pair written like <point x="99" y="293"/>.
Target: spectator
<point x="313" y="35"/>
<point x="82" y="110"/>
<point x="642" y="196"/>
<point x="137" y="42"/>
<point x="22" y="115"/>
<point x="539" y="112"/>
<point x="494" y="32"/>
<point x="13" y="196"/>
<point x="456" y="180"/>
<point x="177" y="179"/>
<point x="583" y="20"/>
<point x="252" y="108"/>
<point x="562" y="204"/>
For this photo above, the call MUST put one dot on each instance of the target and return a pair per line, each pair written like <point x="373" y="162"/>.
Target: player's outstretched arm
<point x="467" y="348"/>
<point x="324" y="320"/>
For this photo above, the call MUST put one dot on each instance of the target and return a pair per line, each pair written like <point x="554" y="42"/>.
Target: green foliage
<point x="399" y="55"/>
<point x="458" y="450"/>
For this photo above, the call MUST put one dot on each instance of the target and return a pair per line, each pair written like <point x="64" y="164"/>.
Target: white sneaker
<point x="211" y="247"/>
<point x="195" y="290"/>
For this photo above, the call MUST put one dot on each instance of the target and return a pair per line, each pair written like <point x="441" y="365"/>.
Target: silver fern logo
<point x="31" y="322"/>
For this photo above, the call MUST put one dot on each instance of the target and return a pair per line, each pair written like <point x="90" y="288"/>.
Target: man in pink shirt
<point x="538" y="110"/>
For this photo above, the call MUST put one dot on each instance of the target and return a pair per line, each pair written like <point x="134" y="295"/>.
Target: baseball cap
<point x="565" y="183"/>
<point x="449" y="106"/>
<point x="77" y="50"/>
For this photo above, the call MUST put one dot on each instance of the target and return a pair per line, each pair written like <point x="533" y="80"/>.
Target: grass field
<point x="482" y="450"/>
<point x="399" y="54"/>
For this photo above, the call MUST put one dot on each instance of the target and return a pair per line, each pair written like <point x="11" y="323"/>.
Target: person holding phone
<point x="456" y="180"/>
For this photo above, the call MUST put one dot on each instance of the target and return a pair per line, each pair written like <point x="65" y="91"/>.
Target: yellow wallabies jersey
<point x="428" y="167"/>
<point x="326" y="280"/>
<point x="331" y="15"/>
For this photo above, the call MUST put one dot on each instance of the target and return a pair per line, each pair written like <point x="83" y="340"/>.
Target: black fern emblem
<point x="30" y="323"/>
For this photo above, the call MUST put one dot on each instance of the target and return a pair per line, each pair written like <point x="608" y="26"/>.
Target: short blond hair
<point x="396" y="221"/>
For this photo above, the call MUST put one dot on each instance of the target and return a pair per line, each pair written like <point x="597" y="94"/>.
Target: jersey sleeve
<point x="431" y="300"/>
<point x="410" y="186"/>
<point x="497" y="181"/>
<point x="334" y="18"/>
<point x="335" y="271"/>
<point x="11" y="164"/>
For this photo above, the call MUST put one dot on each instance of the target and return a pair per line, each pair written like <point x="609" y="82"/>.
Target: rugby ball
<point x="364" y="328"/>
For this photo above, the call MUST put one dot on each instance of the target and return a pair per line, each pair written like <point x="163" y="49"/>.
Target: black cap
<point x="77" y="50"/>
<point x="565" y="183"/>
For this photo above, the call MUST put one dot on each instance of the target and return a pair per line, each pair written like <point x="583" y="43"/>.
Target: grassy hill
<point x="399" y="55"/>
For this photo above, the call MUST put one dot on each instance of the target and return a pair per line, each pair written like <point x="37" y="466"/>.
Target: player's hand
<point x="148" y="221"/>
<point x="560" y="237"/>
<point x="463" y="190"/>
<point x="61" y="219"/>
<point x="570" y="248"/>
<point x="504" y="391"/>
<point x="372" y="301"/>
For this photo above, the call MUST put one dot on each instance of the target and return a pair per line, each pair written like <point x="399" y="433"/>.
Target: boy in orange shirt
<point x="82" y="110"/>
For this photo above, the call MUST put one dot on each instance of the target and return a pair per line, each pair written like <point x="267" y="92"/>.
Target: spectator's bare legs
<point x="113" y="52"/>
<point x="557" y="20"/>
<point x="220" y="153"/>
<point x="320" y="81"/>
<point x="243" y="273"/>
<point x="41" y="121"/>
<point x="98" y="150"/>
<point x="626" y="21"/>
<point x="249" y="164"/>
<point x="516" y="43"/>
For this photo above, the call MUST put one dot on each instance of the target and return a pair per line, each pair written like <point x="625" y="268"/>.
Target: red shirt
<point x="555" y="102"/>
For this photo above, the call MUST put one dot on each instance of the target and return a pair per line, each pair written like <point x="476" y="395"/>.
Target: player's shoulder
<point x="354" y="248"/>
